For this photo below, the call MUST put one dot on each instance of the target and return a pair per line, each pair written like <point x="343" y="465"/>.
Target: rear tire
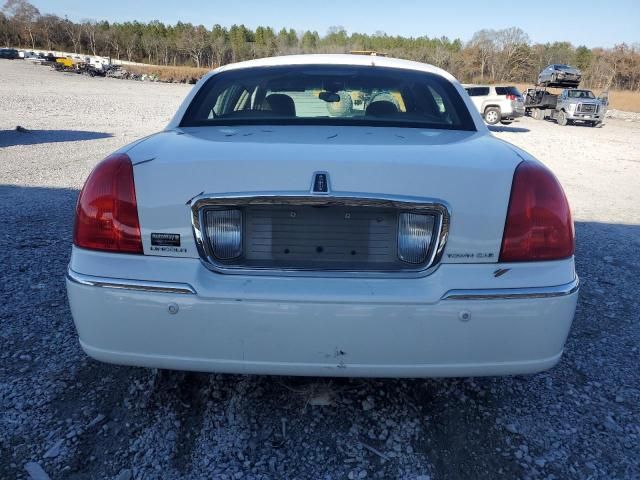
<point x="492" y="115"/>
<point x="506" y="122"/>
<point x="562" y="118"/>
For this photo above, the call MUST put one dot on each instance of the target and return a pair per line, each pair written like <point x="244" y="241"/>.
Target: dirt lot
<point x="77" y="418"/>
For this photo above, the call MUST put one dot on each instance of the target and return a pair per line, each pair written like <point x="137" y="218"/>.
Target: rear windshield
<point x="508" y="91"/>
<point x="329" y="95"/>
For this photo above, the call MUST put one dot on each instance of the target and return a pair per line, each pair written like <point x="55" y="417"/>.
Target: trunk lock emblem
<point x="320" y="183"/>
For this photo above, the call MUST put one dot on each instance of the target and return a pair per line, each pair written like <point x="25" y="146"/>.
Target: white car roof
<point x="335" y="59"/>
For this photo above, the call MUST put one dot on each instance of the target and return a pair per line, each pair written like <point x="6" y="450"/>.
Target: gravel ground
<point x="71" y="417"/>
<point x="620" y="114"/>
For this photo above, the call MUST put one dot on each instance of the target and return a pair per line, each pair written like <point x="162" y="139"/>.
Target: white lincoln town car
<point x="338" y="215"/>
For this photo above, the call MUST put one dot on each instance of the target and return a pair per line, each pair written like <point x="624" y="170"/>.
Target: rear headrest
<point x="381" y="108"/>
<point x="280" y="104"/>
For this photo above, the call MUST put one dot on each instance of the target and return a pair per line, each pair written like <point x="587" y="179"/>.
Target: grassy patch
<point x="169" y="73"/>
<point x="624" y="100"/>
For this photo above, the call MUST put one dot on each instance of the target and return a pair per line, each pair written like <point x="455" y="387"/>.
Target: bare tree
<point x="23" y="14"/>
<point x="194" y="42"/>
<point x="484" y="42"/>
<point x="441" y="56"/>
<point x="7" y="30"/>
<point x="73" y="32"/>
<point x="150" y="44"/>
<point x="513" y="53"/>
<point x="49" y="28"/>
<point x="131" y="43"/>
<point x="114" y="41"/>
<point x="90" y="28"/>
<point x="165" y="46"/>
<point x="219" y="51"/>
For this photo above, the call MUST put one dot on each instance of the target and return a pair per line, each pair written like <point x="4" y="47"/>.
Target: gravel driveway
<point x="72" y="417"/>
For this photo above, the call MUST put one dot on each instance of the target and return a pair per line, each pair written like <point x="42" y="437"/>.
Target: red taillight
<point x="539" y="225"/>
<point x="107" y="213"/>
<point x="511" y="97"/>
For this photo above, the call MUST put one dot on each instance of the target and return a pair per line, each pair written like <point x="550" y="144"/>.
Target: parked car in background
<point x="9" y="53"/>
<point x="267" y="231"/>
<point x="50" y="57"/>
<point x="559" y="75"/>
<point x="34" y="57"/>
<point x="497" y="103"/>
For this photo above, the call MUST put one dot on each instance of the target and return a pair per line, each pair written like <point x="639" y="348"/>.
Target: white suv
<point x="497" y="103"/>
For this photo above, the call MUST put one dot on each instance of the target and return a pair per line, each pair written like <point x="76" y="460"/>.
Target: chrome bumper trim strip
<point x="126" y="284"/>
<point x="514" y="293"/>
<point x="186" y="289"/>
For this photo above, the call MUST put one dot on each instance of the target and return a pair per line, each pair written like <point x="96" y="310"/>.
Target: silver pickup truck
<point x="571" y="105"/>
<point x="579" y="105"/>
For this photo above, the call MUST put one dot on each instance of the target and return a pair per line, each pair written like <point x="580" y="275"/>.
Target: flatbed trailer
<point x="538" y="100"/>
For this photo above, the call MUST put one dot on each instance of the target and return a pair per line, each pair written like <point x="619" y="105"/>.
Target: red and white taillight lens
<point x="107" y="213"/>
<point x="539" y="225"/>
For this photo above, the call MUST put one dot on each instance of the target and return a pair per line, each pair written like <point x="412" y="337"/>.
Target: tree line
<point x="506" y="55"/>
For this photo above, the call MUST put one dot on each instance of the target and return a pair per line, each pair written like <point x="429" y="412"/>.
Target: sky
<point x="587" y="22"/>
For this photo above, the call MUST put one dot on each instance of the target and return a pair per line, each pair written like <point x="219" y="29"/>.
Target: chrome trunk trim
<point x="514" y="293"/>
<point x="411" y="204"/>
<point x="127" y="284"/>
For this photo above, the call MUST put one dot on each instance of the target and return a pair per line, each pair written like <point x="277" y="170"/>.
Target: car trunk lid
<point x="469" y="172"/>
